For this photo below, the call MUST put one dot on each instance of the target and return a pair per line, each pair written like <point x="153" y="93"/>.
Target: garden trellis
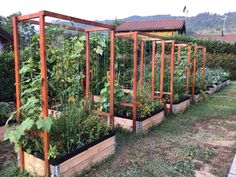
<point x="196" y="67"/>
<point x="134" y="38"/>
<point x="40" y="19"/>
<point x="70" y="65"/>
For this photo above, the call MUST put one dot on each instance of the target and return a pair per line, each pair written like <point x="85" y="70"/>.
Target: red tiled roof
<point x="225" y="37"/>
<point x="151" y="25"/>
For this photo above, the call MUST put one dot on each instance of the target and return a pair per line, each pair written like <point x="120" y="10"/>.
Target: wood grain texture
<point x="181" y="107"/>
<point x="145" y="125"/>
<point x="77" y="164"/>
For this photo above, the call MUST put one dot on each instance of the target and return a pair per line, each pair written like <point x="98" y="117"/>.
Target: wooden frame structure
<point x="41" y="22"/>
<point x="196" y="48"/>
<point x="134" y="36"/>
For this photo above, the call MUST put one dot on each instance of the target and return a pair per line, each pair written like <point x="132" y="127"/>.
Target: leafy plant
<point x="213" y="76"/>
<point x="105" y="95"/>
<point x="146" y="105"/>
<point x="186" y="167"/>
<point x="5" y="109"/>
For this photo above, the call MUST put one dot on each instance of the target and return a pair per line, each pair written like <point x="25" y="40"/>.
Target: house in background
<point x="5" y="38"/>
<point x="157" y="27"/>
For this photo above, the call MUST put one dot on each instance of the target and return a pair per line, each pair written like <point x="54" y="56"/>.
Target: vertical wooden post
<point x="179" y="50"/>
<point x="87" y="77"/>
<point x="204" y="66"/>
<point x="172" y="64"/>
<point x="194" y="71"/>
<point x="17" y="80"/>
<point x="188" y="67"/>
<point x="153" y="67"/>
<point x="162" y="68"/>
<point x="135" y="52"/>
<point x="142" y="64"/>
<point x="43" y="65"/>
<point x="112" y="75"/>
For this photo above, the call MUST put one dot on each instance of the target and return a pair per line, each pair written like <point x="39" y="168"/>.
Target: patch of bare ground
<point x="6" y="153"/>
<point x="220" y="137"/>
<point x="204" y="172"/>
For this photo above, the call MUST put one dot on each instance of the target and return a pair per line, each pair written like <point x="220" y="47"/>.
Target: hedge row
<point x="219" y="54"/>
<point x="213" y="46"/>
<point x="7" y="80"/>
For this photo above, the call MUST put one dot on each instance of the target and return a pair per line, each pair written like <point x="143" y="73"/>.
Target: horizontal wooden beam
<point x="95" y="29"/>
<point x="181" y="45"/>
<point x="78" y="20"/>
<point x="51" y="24"/>
<point x="165" y="93"/>
<point x="28" y="17"/>
<point x="126" y="104"/>
<point x="101" y="113"/>
<point x="166" y="41"/>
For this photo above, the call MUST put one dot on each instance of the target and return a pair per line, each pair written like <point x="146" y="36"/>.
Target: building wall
<point x="164" y="33"/>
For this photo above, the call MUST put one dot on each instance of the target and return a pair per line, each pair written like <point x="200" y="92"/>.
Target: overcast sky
<point x="108" y="9"/>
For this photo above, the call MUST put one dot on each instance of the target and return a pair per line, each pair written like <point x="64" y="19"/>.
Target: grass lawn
<point x="199" y="142"/>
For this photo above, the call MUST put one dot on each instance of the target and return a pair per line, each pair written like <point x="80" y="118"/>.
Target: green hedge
<point x="219" y="54"/>
<point x="213" y="46"/>
<point x="7" y="80"/>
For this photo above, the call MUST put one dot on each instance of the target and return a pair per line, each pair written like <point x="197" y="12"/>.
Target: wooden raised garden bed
<point x="197" y="98"/>
<point x="211" y="89"/>
<point x="143" y="124"/>
<point x="180" y="106"/>
<point x="76" y="162"/>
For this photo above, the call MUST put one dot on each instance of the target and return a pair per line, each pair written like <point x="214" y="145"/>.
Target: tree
<point x="6" y="22"/>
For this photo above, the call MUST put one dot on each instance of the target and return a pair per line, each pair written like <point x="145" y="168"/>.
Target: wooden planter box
<point x="219" y="86"/>
<point x="228" y="82"/>
<point x="180" y="107"/>
<point x="2" y="131"/>
<point x="197" y="98"/>
<point x="76" y="164"/>
<point x="142" y="125"/>
<point x="211" y="90"/>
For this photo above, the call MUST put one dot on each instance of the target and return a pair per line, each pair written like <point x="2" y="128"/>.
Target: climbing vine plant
<point x="66" y="64"/>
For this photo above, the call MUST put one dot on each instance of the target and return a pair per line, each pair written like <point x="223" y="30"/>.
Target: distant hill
<point x="203" y="23"/>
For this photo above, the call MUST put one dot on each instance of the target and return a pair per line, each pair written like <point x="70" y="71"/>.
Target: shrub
<point x="7" y="89"/>
<point x="219" y="53"/>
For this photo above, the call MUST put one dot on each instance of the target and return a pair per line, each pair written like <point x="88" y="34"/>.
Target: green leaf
<point x="45" y="124"/>
<point x="26" y="125"/>
<point x="40" y="123"/>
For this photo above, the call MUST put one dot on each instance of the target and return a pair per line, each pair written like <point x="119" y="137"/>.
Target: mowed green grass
<point x="180" y="146"/>
<point x="177" y="147"/>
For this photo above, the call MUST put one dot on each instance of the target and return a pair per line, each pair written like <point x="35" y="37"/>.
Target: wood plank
<point x="124" y="123"/>
<point x="88" y="162"/>
<point x="33" y="165"/>
<point x="76" y="164"/>
<point x="154" y="120"/>
<point x="65" y="166"/>
<point x="181" y="107"/>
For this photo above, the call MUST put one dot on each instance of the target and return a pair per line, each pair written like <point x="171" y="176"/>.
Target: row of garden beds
<point x="156" y="117"/>
<point x="86" y="156"/>
<point x="217" y="86"/>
